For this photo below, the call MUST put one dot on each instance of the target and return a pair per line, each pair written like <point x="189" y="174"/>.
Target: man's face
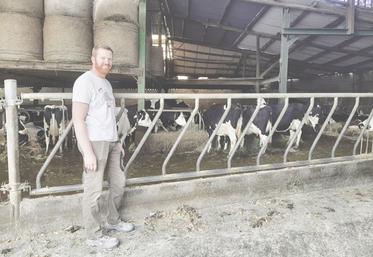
<point x="103" y="61"/>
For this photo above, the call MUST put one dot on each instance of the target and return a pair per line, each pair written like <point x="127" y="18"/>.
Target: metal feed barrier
<point x="11" y="103"/>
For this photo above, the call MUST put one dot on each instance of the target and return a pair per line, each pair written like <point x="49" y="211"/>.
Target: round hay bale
<point x="116" y="10"/>
<point x="156" y="61"/>
<point x="74" y="8"/>
<point x="32" y="8"/>
<point x="20" y="37"/>
<point x="122" y="37"/>
<point x="67" y="39"/>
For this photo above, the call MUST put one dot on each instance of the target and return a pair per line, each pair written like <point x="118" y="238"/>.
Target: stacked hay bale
<point x="21" y="29"/>
<point x="116" y="25"/>
<point x="68" y="30"/>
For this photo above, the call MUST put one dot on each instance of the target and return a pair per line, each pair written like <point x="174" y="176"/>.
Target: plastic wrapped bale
<point x="67" y="39"/>
<point x="74" y="8"/>
<point x="116" y="10"/>
<point x="34" y="8"/>
<point x="20" y="37"/>
<point x="122" y="37"/>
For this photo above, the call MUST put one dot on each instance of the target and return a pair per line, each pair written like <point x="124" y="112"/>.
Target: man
<point x="96" y="132"/>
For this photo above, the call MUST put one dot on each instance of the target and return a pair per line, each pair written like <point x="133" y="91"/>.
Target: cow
<point x="30" y="133"/>
<point x="168" y="119"/>
<point x="261" y="124"/>
<point x="55" y="122"/>
<point x="128" y="119"/>
<point x="230" y="126"/>
<point x="293" y="117"/>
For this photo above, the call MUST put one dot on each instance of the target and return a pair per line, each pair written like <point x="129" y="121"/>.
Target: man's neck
<point x="98" y="73"/>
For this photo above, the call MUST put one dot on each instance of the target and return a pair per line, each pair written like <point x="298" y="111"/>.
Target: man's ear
<point x="92" y="59"/>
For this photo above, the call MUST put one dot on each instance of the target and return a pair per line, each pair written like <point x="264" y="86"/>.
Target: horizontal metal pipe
<point x="46" y="96"/>
<point x="204" y="173"/>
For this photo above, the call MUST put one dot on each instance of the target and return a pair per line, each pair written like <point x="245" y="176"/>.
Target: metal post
<point x="284" y="56"/>
<point x="142" y="51"/>
<point x="350" y="17"/>
<point x="258" y="71"/>
<point x="10" y="86"/>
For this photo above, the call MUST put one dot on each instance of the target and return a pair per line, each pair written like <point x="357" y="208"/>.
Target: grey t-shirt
<point x="97" y="92"/>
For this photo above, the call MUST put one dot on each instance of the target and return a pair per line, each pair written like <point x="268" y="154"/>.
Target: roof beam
<point x="206" y="68"/>
<point x="250" y="25"/>
<point x="362" y="14"/>
<point x="222" y="27"/>
<point x="346" y="57"/>
<point x="294" y="23"/>
<point x="336" y="48"/>
<point x="196" y="42"/>
<point x="199" y="52"/>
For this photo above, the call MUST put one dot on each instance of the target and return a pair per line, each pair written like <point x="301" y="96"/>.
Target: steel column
<point x="258" y="71"/>
<point x="142" y="52"/>
<point x="10" y="88"/>
<point x="284" y="55"/>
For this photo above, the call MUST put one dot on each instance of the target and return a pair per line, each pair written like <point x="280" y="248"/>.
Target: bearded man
<point x="95" y="127"/>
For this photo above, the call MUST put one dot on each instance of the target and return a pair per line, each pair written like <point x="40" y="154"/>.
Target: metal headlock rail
<point x="198" y="173"/>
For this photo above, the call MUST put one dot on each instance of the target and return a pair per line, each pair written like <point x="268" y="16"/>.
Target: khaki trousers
<point x="97" y="209"/>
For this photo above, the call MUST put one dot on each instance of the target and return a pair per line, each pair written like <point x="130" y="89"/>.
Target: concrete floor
<point x="301" y="212"/>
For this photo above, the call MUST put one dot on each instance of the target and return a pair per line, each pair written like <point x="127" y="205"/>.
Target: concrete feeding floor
<point x="318" y="210"/>
<point x="333" y="222"/>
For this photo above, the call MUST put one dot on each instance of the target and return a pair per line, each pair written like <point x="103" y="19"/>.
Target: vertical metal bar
<point x="142" y="52"/>
<point x="258" y="70"/>
<point x="306" y="115"/>
<point x="229" y="105"/>
<point x="362" y="133"/>
<point x="145" y="137"/>
<point x="243" y="133"/>
<point x="350" y="17"/>
<point x="273" y="130"/>
<point x="10" y="88"/>
<point x="284" y="55"/>
<point x="332" y="110"/>
<point x="357" y="99"/>
<point x="52" y="154"/>
<point x="195" y="110"/>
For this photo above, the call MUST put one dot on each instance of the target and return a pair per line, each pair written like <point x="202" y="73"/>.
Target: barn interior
<point x="238" y="45"/>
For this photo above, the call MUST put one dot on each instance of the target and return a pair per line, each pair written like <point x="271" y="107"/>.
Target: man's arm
<point x="79" y="112"/>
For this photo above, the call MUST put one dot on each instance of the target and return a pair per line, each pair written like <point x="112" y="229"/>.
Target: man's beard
<point x="103" y="68"/>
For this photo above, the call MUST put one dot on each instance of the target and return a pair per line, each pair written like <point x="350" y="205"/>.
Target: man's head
<point x="102" y="60"/>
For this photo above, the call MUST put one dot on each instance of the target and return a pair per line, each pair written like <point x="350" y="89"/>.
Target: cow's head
<point x="316" y="117"/>
<point x="143" y="119"/>
<point x="180" y="120"/>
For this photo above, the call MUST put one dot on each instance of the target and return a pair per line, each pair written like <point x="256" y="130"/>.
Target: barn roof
<point x="215" y="37"/>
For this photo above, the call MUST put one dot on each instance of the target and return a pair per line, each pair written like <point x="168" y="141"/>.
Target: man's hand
<point x="90" y="162"/>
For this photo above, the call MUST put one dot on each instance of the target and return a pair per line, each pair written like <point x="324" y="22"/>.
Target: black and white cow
<point x="55" y="122"/>
<point x="293" y="117"/>
<point x="168" y="119"/>
<point x="261" y="125"/>
<point x="128" y="119"/>
<point x="230" y="126"/>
